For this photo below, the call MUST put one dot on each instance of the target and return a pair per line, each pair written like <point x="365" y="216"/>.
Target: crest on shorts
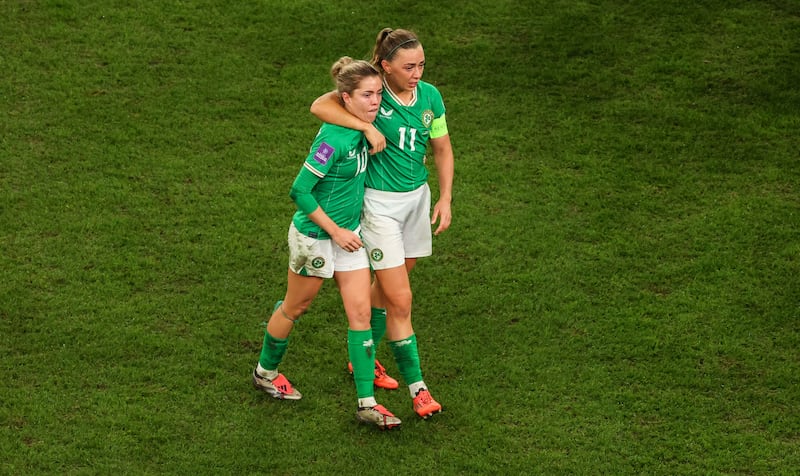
<point x="318" y="262"/>
<point x="376" y="254"/>
<point x="427" y="117"/>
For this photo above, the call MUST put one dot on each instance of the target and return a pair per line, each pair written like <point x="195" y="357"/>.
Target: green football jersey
<point x="332" y="177"/>
<point x="400" y="167"/>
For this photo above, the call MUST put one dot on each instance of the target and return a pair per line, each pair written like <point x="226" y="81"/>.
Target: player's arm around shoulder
<point x="328" y="108"/>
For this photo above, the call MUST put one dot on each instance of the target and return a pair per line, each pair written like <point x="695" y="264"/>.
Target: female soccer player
<point x="396" y="220"/>
<point x="324" y="242"/>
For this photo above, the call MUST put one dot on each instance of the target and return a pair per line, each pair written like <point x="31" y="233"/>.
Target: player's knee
<point x="359" y="318"/>
<point x="294" y="310"/>
<point x="398" y="304"/>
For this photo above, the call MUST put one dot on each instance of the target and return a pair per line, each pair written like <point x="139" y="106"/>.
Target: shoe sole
<point x="384" y="387"/>
<point x="426" y="416"/>
<point x="270" y="392"/>
<point x="380" y="427"/>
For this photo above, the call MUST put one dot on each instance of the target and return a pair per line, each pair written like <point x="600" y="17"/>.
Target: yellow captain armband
<point x="439" y="127"/>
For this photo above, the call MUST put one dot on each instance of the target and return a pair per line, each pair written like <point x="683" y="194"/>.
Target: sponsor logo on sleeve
<point x="323" y="153"/>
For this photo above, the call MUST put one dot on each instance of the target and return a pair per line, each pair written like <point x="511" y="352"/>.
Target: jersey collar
<point x="396" y="98"/>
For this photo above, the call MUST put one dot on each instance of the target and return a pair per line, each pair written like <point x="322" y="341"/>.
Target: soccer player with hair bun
<point x="397" y="219"/>
<point x="324" y="242"/>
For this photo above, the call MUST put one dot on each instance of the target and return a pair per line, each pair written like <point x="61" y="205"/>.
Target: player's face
<point x="404" y="71"/>
<point x="365" y="100"/>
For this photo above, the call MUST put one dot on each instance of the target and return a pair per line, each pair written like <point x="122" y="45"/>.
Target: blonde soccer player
<point x="324" y="243"/>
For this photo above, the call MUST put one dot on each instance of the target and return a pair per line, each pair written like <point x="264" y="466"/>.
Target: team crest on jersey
<point x="324" y="153"/>
<point x="386" y="113"/>
<point x="427" y="117"/>
<point x="318" y="262"/>
<point x="376" y="254"/>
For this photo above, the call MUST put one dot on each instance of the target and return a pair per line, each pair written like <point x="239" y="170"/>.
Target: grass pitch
<point x="618" y="293"/>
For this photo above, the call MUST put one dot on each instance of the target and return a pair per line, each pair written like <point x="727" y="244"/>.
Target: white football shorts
<point x="396" y="226"/>
<point x="313" y="257"/>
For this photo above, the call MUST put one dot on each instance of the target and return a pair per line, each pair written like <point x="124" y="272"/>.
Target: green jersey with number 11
<point x="400" y="167"/>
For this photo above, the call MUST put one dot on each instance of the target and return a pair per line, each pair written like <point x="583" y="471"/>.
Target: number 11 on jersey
<point x="412" y="137"/>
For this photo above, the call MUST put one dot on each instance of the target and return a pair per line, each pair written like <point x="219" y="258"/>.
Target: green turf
<point x="618" y="293"/>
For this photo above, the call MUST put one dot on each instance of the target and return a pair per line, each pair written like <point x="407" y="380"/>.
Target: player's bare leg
<point x="353" y="287"/>
<point x="396" y="289"/>
<point x="300" y="292"/>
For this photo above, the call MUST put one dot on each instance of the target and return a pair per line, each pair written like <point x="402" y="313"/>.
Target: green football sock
<point x="407" y="357"/>
<point x="272" y="351"/>
<point x="361" y="350"/>
<point x="378" y="324"/>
